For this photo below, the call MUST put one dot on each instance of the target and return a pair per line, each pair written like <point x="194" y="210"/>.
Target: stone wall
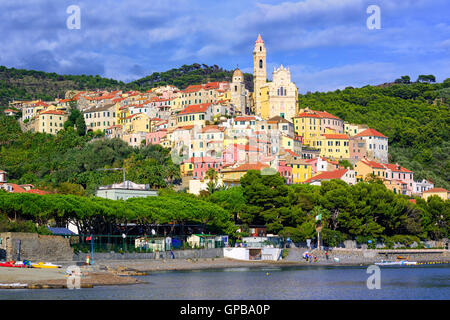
<point x="178" y="254"/>
<point x="369" y="256"/>
<point x="35" y="247"/>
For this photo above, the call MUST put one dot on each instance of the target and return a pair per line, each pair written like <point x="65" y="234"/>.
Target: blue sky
<point x="325" y="43"/>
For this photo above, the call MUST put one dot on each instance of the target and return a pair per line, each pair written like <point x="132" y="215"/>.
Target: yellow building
<point x="50" y="121"/>
<point x="138" y="122"/>
<point x="396" y="186"/>
<point x="264" y="102"/>
<point x="301" y="170"/>
<point x="440" y="192"/>
<point x="311" y="123"/>
<point x="194" y="115"/>
<point x="100" y="118"/>
<point x="363" y="168"/>
<point x="186" y="169"/>
<point x="333" y="146"/>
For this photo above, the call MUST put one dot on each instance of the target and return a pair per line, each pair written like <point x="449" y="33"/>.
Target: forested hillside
<point x="189" y="75"/>
<point x="415" y="117"/>
<point x="20" y="84"/>
<point x="69" y="162"/>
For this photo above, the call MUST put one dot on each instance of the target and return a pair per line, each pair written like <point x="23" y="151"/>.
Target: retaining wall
<point x="34" y="247"/>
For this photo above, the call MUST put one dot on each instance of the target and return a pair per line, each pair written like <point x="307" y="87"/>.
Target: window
<point x="260" y="63"/>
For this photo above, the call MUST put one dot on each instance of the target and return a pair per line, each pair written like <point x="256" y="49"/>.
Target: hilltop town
<point x="225" y="127"/>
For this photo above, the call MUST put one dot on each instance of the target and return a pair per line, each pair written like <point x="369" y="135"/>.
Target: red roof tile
<point x="370" y="133"/>
<point x="436" y="190"/>
<point x="316" y="114"/>
<point x="396" y="168"/>
<point x="57" y="112"/>
<point x="244" y="118"/>
<point x="335" y="136"/>
<point x="250" y="166"/>
<point x="328" y="175"/>
<point x="195" y="108"/>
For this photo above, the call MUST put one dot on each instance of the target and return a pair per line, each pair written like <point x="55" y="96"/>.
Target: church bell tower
<point x="259" y="71"/>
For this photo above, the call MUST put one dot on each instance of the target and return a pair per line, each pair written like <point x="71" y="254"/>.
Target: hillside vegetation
<point x="20" y="84"/>
<point x="188" y="75"/>
<point x="415" y="117"/>
<point x="69" y="162"/>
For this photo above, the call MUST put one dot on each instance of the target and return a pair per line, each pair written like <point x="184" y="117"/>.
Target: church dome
<point x="238" y="73"/>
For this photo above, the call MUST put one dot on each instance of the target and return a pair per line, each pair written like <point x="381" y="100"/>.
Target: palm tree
<point x="213" y="177"/>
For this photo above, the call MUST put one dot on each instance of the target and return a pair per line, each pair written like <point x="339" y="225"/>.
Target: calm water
<point x="417" y="282"/>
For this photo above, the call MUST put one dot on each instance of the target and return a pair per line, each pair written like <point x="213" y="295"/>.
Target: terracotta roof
<point x="185" y="127"/>
<point x="396" y="168"/>
<point x="244" y="118"/>
<point x="292" y="153"/>
<point x="193" y="88"/>
<point x="436" y="190"/>
<point x="16" y="188"/>
<point x="195" y="108"/>
<point x="57" y="112"/>
<point x="373" y="164"/>
<point x="250" y="166"/>
<point x="328" y="175"/>
<point x="316" y="114"/>
<point x="10" y="110"/>
<point x="370" y="133"/>
<point x="335" y="136"/>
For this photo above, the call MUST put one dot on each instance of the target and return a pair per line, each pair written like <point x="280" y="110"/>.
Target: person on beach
<point x="88" y="262"/>
<point x="326" y="255"/>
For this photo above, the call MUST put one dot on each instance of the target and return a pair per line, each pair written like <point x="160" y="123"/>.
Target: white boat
<point x="395" y="263"/>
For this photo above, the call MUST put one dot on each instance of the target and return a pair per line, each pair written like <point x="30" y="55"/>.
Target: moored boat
<point x="395" y="263"/>
<point x="13" y="264"/>
<point x="45" y="265"/>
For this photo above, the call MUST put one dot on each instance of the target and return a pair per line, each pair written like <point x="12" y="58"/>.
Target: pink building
<point x="396" y="172"/>
<point x="285" y="171"/>
<point x="156" y="137"/>
<point x="357" y="148"/>
<point x="203" y="164"/>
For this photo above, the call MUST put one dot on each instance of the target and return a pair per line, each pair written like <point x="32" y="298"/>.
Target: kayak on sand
<point x="45" y="265"/>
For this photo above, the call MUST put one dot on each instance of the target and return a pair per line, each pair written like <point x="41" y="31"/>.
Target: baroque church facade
<point x="278" y="97"/>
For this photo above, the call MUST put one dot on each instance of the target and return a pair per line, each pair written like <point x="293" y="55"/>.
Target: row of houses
<point x="206" y="130"/>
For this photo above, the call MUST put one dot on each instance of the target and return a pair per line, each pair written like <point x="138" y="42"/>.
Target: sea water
<point x="284" y="283"/>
